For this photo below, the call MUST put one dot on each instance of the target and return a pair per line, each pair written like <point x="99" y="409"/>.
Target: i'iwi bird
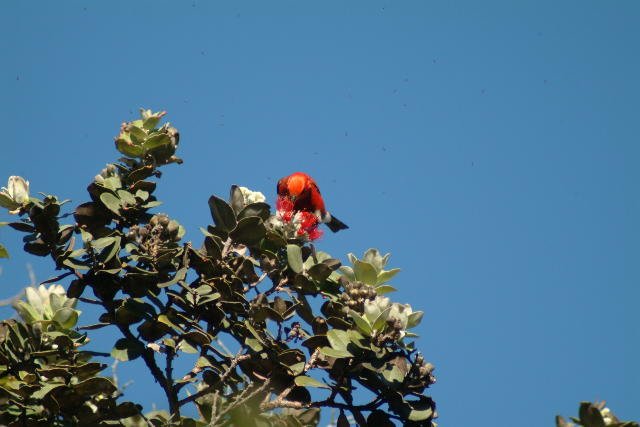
<point x="301" y="190"/>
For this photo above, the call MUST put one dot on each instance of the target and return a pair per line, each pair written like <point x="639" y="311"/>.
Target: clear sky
<point x="491" y="146"/>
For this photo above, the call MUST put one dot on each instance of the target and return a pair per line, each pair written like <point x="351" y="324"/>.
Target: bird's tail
<point x="336" y="225"/>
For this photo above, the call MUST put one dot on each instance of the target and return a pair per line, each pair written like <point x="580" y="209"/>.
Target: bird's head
<point x="296" y="185"/>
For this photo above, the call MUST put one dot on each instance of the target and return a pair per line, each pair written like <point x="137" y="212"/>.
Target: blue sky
<point x="492" y="147"/>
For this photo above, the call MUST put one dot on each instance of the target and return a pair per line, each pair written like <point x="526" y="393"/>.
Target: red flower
<point x="284" y="204"/>
<point x="309" y="225"/>
<point x="307" y="222"/>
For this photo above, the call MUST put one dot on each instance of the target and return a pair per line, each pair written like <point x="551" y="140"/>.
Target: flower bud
<point x="15" y="194"/>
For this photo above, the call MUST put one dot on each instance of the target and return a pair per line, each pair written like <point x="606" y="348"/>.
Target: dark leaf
<point x="249" y="231"/>
<point x="299" y="394"/>
<point x="590" y="416"/>
<point x="126" y="349"/>
<point x="260" y="209"/>
<point x="213" y="246"/>
<point x="91" y="215"/>
<point x="151" y="330"/>
<point x="332" y="263"/>
<point x="236" y="198"/>
<point x="222" y="214"/>
<point x="22" y="226"/>
<point x="93" y="386"/>
<point x="379" y="418"/>
<point x="342" y="420"/>
<point x="37" y="247"/>
<point x="315" y="341"/>
<point x="319" y="272"/>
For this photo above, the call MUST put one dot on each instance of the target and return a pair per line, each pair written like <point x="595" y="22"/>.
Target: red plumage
<point x="302" y="191"/>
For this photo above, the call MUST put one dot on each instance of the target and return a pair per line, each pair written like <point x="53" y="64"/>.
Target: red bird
<point x="301" y="190"/>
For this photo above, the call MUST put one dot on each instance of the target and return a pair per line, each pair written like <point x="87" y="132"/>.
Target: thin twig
<point x="312" y="359"/>
<point x="234" y="362"/>
<point x="227" y="246"/>
<point x="57" y="278"/>
<point x="90" y="300"/>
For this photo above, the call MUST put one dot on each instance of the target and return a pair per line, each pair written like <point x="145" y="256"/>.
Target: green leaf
<point x="253" y="344"/>
<point x="348" y="272"/>
<point x="381" y="320"/>
<point x="102" y="242"/>
<point x="113" y="183"/>
<point x="305" y="381"/>
<point x="137" y="134"/>
<point x="3" y="252"/>
<point x="338" y="339"/>
<point x="153" y="204"/>
<point x="45" y="390"/>
<point x="361" y="323"/>
<point x="66" y="317"/>
<point x="338" y="354"/>
<point x="414" y="319"/>
<point x="150" y="120"/>
<point x="420" y="414"/>
<point x="156" y="141"/>
<point x="385" y="289"/>
<point x="386" y="275"/>
<point x="126" y="349"/>
<point x="127" y="198"/>
<point x="222" y="214"/>
<point x="392" y="373"/>
<point x="180" y="275"/>
<point x="7" y="202"/>
<point x="111" y="202"/>
<point x="127" y="148"/>
<point x="294" y="257"/>
<point x="365" y="273"/>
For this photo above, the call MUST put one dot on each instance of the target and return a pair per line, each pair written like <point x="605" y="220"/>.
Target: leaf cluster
<point x="296" y="318"/>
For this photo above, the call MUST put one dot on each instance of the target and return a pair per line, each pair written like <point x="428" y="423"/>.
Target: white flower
<point x="17" y="192"/>
<point x="373" y="308"/>
<point x="401" y="312"/>
<point x="42" y="302"/>
<point x="251" y="196"/>
<point x="607" y="416"/>
<point x="405" y="314"/>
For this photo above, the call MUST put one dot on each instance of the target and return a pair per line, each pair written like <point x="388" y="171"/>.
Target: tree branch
<point x="234" y="362"/>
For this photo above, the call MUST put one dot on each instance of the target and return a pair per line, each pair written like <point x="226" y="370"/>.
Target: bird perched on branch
<point x="300" y="190"/>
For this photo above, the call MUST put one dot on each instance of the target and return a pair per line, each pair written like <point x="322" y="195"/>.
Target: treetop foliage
<point x="306" y="331"/>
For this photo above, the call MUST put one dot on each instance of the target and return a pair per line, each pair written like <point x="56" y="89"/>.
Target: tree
<point x="296" y="318"/>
